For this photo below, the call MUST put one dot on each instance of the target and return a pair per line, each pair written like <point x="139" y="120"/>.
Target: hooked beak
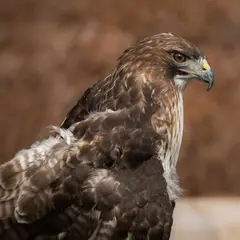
<point x="206" y="74"/>
<point x="200" y="70"/>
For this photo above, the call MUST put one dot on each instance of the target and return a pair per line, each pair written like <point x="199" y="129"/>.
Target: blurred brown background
<point x="51" y="51"/>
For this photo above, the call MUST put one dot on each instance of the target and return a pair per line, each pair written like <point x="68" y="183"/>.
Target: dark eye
<point x="178" y="57"/>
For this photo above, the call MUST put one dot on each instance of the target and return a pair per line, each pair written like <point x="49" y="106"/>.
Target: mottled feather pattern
<point x="125" y="145"/>
<point x="53" y="226"/>
<point x="68" y="174"/>
<point x="22" y="161"/>
<point x="109" y="172"/>
<point x="15" y="173"/>
<point x="43" y="190"/>
<point x="24" y="180"/>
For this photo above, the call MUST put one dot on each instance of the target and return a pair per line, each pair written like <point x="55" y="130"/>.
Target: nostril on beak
<point x="205" y="65"/>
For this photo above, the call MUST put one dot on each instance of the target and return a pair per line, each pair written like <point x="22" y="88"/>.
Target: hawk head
<point x="170" y="58"/>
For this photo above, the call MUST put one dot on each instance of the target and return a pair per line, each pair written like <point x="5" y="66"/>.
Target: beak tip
<point x="209" y="88"/>
<point x="210" y="79"/>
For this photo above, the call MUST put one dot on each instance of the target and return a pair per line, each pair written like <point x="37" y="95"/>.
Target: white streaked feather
<point x="16" y="173"/>
<point x="170" y="158"/>
<point x="66" y="134"/>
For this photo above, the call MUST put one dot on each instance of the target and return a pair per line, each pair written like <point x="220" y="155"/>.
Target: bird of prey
<point x="109" y="171"/>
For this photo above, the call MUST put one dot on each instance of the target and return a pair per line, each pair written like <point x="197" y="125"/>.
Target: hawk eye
<point x="178" y="57"/>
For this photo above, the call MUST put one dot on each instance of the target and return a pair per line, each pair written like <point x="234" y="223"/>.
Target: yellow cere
<point x="205" y="65"/>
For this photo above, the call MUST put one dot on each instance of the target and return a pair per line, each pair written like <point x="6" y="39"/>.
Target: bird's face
<point x="184" y="61"/>
<point x="184" y="68"/>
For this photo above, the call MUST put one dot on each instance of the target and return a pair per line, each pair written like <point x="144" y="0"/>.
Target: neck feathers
<point x="168" y="121"/>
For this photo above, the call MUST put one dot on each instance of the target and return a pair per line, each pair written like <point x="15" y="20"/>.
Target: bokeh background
<point x="52" y="50"/>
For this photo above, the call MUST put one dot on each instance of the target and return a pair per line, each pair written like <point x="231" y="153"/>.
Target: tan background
<point x="51" y="50"/>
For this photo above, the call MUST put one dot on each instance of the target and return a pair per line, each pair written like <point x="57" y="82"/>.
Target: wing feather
<point x="82" y="168"/>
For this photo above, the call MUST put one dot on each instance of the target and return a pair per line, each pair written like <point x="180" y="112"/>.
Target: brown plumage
<point x="109" y="172"/>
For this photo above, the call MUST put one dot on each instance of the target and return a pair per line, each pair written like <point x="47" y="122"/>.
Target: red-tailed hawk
<point x="110" y="170"/>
